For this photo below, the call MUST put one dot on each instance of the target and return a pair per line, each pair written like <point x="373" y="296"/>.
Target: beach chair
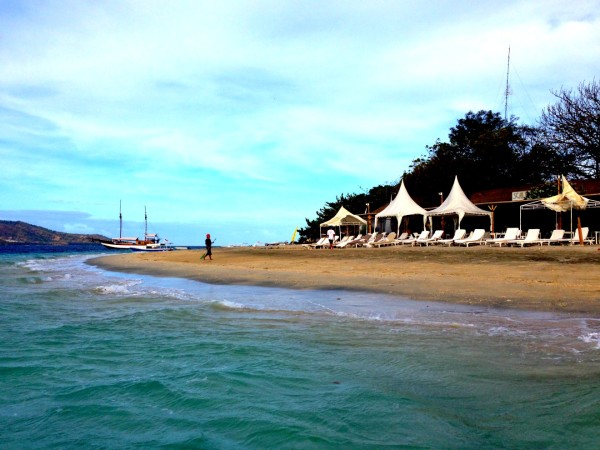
<point x="476" y="238"/>
<point x="424" y="235"/>
<point x="512" y="234"/>
<point x="401" y="238"/>
<point x="532" y="237"/>
<point x="430" y="240"/>
<point x="556" y="237"/>
<point x="359" y="240"/>
<point x="388" y="240"/>
<point x="584" y="234"/>
<point x="458" y="234"/>
<point x="344" y="241"/>
<point x="325" y="243"/>
<point x="315" y="244"/>
<point x="375" y="237"/>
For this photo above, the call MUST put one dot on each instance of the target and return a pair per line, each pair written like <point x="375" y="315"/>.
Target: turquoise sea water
<point x="92" y="359"/>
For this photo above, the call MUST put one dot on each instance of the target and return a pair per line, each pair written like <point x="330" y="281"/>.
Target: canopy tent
<point x="344" y="217"/>
<point x="402" y="205"/>
<point x="458" y="203"/>
<point x="567" y="200"/>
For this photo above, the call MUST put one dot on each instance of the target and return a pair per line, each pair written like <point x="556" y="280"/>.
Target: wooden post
<point x="579" y="230"/>
<point x="492" y="209"/>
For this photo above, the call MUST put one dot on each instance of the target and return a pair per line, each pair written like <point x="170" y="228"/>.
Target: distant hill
<point x="25" y="233"/>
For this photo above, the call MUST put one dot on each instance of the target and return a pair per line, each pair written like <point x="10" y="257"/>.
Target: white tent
<point x="458" y="203"/>
<point x="402" y="205"/>
<point x="344" y="217"/>
<point x="567" y="200"/>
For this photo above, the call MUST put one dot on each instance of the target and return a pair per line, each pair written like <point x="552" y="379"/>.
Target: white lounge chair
<point x="458" y="234"/>
<point x="401" y="238"/>
<point x="360" y="239"/>
<point x="326" y="244"/>
<point x="430" y="240"/>
<point x="424" y="234"/>
<point x="584" y="234"/>
<point x="343" y="243"/>
<point x="512" y="234"/>
<point x="344" y="239"/>
<point x="556" y="237"/>
<point x="388" y="240"/>
<point x="532" y="237"/>
<point x="314" y="245"/>
<point x="376" y="237"/>
<point x="476" y="238"/>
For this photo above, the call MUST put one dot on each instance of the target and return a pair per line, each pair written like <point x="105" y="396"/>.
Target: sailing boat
<point x="151" y="242"/>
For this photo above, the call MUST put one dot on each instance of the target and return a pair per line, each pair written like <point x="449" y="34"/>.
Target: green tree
<point x="485" y="151"/>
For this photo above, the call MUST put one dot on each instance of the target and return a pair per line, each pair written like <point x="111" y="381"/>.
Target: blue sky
<point x="241" y="118"/>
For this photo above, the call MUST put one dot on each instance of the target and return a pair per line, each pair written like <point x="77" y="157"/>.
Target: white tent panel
<point x="458" y="203"/>
<point x="402" y="205"/>
<point x="344" y="217"/>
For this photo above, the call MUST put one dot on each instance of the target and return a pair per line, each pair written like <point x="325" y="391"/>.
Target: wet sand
<point x="563" y="278"/>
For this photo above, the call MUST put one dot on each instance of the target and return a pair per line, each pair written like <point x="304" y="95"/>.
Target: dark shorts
<point x="331" y="241"/>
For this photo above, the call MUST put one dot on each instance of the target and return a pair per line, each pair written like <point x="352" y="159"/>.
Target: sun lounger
<point x="401" y="238"/>
<point x="325" y="243"/>
<point x="430" y="240"/>
<point x="476" y="238"/>
<point x="314" y="245"/>
<point x="512" y="234"/>
<point x="388" y="240"/>
<point x="531" y="238"/>
<point x="346" y="240"/>
<point x="458" y="234"/>
<point x="376" y="237"/>
<point x="575" y="239"/>
<point x="556" y="237"/>
<point x="359" y="240"/>
<point x="424" y="235"/>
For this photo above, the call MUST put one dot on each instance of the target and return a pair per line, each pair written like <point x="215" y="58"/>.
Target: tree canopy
<point x="571" y="127"/>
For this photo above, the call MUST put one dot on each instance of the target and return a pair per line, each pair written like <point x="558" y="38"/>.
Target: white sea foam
<point x="538" y="327"/>
<point x="591" y="338"/>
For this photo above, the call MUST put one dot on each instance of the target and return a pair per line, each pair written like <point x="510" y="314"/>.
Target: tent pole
<point x="520" y="217"/>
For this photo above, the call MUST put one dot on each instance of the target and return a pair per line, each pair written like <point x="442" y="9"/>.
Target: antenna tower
<point x="507" y="91"/>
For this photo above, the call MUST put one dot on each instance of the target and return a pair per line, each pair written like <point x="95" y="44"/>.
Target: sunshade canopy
<point x="344" y="217"/>
<point x="458" y="203"/>
<point x="566" y="200"/>
<point x="402" y="205"/>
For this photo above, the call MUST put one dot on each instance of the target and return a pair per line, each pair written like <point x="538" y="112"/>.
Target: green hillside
<point x="25" y="233"/>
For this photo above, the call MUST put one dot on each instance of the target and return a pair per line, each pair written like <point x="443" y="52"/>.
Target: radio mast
<point x="507" y="91"/>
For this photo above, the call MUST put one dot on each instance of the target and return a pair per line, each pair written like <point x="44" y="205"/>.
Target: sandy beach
<point x="564" y="278"/>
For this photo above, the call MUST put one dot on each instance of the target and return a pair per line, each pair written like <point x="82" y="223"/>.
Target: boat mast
<point x="145" y="223"/>
<point x="507" y="91"/>
<point x="120" y="221"/>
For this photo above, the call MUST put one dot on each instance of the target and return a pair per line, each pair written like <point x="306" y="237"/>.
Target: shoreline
<point x="555" y="279"/>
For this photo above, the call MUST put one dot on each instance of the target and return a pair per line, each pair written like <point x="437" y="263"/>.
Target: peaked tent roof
<point x="458" y="203"/>
<point x="402" y="205"/>
<point x="344" y="217"/>
<point x="566" y="200"/>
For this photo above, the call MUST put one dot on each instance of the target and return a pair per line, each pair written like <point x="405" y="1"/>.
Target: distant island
<point x="25" y="233"/>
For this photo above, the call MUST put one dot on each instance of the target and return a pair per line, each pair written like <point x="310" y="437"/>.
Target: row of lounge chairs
<point x="478" y="236"/>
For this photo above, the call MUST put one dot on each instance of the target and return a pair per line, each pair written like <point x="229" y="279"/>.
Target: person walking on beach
<point x="208" y="243"/>
<point x="331" y="237"/>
